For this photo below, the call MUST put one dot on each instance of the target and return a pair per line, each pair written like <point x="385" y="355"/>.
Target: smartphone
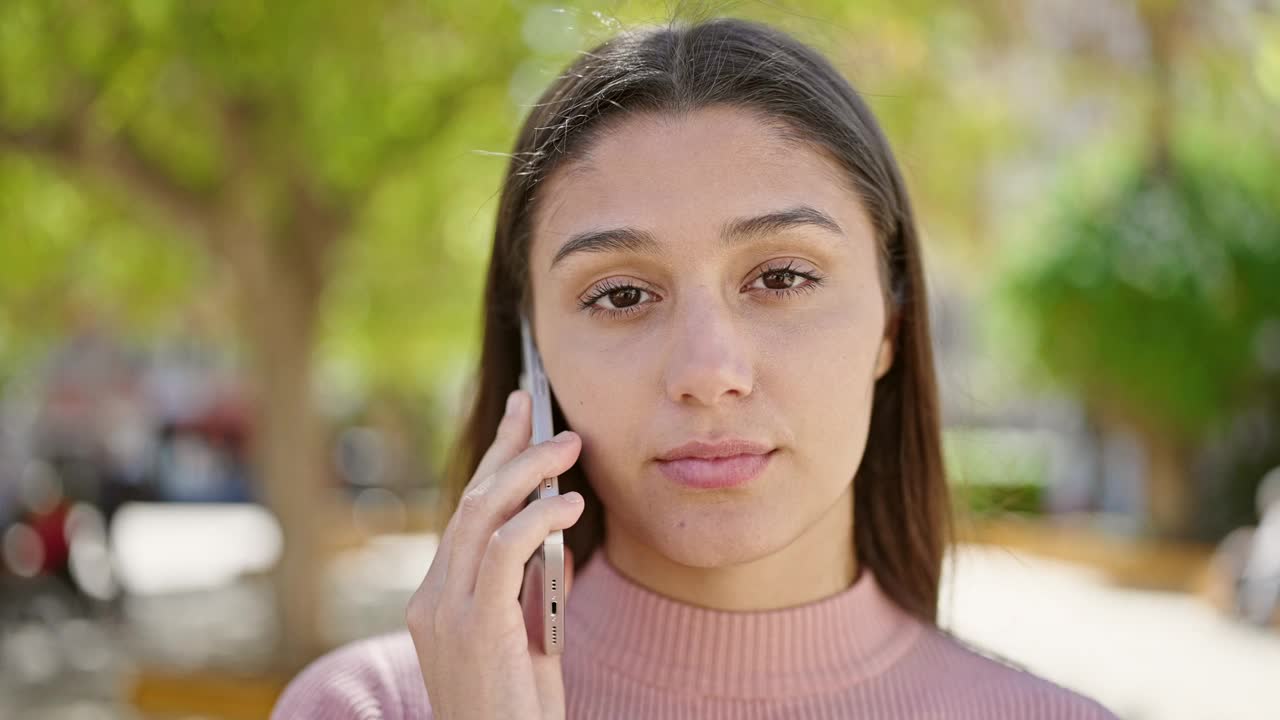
<point x="551" y="582"/>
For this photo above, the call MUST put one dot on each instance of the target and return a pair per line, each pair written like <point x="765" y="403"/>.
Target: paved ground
<point x="1146" y="655"/>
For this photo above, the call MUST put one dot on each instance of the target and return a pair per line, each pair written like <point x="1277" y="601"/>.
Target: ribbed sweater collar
<point x="827" y="644"/>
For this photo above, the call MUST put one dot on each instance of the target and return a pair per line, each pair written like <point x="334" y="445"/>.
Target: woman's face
<point x="685" y="320"/>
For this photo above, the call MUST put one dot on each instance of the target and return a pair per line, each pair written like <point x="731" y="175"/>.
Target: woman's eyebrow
<point x="800" y="215"/>
<point x="642" y="242"/>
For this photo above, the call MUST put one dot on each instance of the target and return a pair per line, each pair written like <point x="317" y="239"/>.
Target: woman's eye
<point x="779" y="280"/>
<point x="619" y="299"/>
<point x="615" y="300"/>
<point x="786" y="280"/>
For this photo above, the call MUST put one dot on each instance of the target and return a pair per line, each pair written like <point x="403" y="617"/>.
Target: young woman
<point x="716" y="251"/>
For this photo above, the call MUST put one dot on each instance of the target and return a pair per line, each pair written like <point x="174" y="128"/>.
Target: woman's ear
<point x="885" y="355"/>
<point x="884" y="360"/>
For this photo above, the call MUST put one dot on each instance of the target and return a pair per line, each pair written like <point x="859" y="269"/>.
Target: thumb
<point x="531" y="599"/>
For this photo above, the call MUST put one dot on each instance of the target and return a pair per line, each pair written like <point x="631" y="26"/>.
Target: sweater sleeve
<point x="373" y="679"/>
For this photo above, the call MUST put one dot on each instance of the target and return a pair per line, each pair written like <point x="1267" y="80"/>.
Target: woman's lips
<point x="715" y="473"/>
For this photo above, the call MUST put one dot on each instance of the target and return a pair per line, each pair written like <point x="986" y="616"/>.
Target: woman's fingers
<point x="502" y="568"/>
<point x="512" y="436"/>
<point x="488" y="505"/>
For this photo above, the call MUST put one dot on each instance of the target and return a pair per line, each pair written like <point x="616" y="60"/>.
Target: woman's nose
<point x="708" y="355"/>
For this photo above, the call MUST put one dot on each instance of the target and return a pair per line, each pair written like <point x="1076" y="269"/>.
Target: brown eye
<point x="784" y="281"/>
<point x="624" y="297"/>
<point x="779" y="279"/>
<point x="615" y="299"/>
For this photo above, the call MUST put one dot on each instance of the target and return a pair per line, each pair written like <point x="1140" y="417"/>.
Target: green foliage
<point x="376" y="105"/>
<point x="1002" y="499"/>
<point x="68" y="250"/>
<point x="1152" y="292"/>
<point x="996" y="471"/>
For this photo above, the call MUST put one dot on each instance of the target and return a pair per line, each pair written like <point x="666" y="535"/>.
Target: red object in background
<point x="225" y="422"/>
<point x="51" y="527"/>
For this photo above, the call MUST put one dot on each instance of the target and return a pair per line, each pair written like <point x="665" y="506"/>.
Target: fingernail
<point x="512" y="400"/>
<point x="573" y="498"/>
<point x="562" y="437"/>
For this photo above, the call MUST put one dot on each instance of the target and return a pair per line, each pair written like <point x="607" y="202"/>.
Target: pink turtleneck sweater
<point x="632" y="653"/>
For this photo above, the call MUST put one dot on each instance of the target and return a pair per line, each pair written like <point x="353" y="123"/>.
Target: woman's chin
<point x="714" y="544"/>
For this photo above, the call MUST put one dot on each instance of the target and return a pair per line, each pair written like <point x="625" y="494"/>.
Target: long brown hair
<point x="902" y="512"/>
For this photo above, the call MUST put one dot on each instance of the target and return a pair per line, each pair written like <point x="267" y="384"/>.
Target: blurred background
<point x="241" y="253"/>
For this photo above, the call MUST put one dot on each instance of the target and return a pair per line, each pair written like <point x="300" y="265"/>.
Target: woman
<point x="716" y="251"/>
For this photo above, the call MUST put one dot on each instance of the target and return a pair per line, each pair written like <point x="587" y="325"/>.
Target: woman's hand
<point x="479" y="658"/>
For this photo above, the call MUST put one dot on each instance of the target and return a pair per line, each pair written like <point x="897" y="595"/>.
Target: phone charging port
<point x="553" y="608"/>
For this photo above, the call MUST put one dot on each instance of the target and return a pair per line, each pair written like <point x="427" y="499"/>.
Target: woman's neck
<point x="819" y="563"/>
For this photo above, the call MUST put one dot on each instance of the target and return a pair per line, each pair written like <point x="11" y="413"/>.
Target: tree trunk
<point x="295" y="479"/>
<point x="281" y="282"/>
<point x="1167" y="482"/>
<point x="1169" y="485"/>
<point x="1161" y="18"/>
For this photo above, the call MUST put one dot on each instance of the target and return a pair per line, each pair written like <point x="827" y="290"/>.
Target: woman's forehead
<point x="687" y="176"/>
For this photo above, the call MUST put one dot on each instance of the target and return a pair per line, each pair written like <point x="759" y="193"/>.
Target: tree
<point x="1151" y="291"/>
<point x="267" y="135"/>
<point x="1154" y="297"/>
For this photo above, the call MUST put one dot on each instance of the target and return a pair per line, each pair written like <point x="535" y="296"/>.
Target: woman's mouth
<point x="715" y="473"/>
